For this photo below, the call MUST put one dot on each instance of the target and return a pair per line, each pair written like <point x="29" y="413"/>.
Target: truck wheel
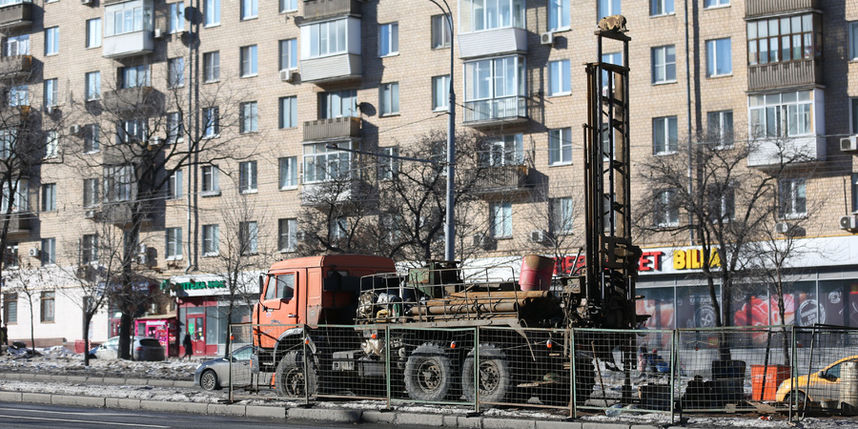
<point x="289" y="380"/>
<point x="494" y="375"/>
<point x="428" y="373"/>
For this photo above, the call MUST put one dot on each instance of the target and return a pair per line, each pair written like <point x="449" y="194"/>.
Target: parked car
<point x="817" y="387"/>
<point x="214" y="374"/>
<point x="144" y="348"/>
<point x="106" y="350"/>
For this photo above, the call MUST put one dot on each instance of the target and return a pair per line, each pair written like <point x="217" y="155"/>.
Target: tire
<point x="495" y="377"/>
<point x="428" y="373"/>
<point x="289" y="379"/>
<point x="208" y="380"/>
<point x="799" y="399"/>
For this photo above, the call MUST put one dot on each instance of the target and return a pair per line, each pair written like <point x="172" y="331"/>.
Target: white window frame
<point x="388" y="99"/>
<point x="176" y="18"/>
<point x="51" y="92"/>
<point x="326" y="38"/>
<point x="247" y="177"/>
<point x="118" y="183"/>
<point x="211" y="13"/>
<point x="20" y="200"/>
<point x="660" y="8"/>
<point x="560" y="146"/>
<point x="249" y="61"/>
<point x="714" y="4"/>
<point x="288" y="112"/>
<point x="791" y="118"/>
<point x="92" y="85"/>
<point x="492" y="15"/>
<point x="660" y="64"/>
<point x="559" y="78"/>
<point x="175" y="127"/>
<point x="92" y="138"/>
<point x="49" y="197"/>
<point x="209" y="181"/>
<point x="128" y="17"/>
<point x="90" y="192"/>
<point x="288" y="6"/>
<point x="504" y="150"/>
<point x="388" y="39"/>
<point x="501" y="219"/>
<point x="666" y="213"/>
<point x="211" y="240"/>
<point x="288" y="54"/>
<point x="134" y="76"/>
<point x="211" y="122"/>
<point x="287" y="234"/>
<point x="176" y="72"/>
<point x="52" y="41"/>
<point x="173" y="243"/>
<point x="338" y="104"/>
<point x="714" y="62"/>
<point x="661" y="126"/>
<point x="19" y="95"/>
<point x="248" y="233"/>
<point x="440" y="33"/>
<point x="723" y="133"/>
<point x="52" y="144"/>
<point x="388" y="164"/>
<point x="17" y="45"/>
<point x="89" y="249"/>
<point x="441" y="93"/>
<point x="607" y="8"/>
<point x="174" y="185"/>
<point x="790" y="193"/>
<point x="559" y="15"/>
<point x="249" y="9"/>
<point x="211" y="66"/>
<point x="48" y="251"/>
<point x="562" y="215"/>
<point x="323" y="164"/>
<point x="93" y="33"/>
<point x="248" y="117"/>
<point x="288" y="172"/>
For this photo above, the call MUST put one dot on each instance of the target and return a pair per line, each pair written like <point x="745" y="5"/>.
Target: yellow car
<point x="817" y="387"/>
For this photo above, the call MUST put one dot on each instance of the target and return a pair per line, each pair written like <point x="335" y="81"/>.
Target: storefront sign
<point x="692" y="259"/>
<point x="192" y="285"/>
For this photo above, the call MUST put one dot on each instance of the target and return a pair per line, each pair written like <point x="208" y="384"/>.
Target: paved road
<point x="13" y="415"/>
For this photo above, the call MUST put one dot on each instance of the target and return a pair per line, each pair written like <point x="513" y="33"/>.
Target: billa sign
<point x="650" y="261"/>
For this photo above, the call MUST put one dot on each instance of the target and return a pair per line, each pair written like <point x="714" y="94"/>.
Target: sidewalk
<point x="25" y="376"/>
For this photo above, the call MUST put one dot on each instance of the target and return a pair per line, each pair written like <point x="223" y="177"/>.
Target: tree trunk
<point x="125" y="335"/>
<point x="87" y="318"/>
<point x="782" y="313"/>
<point x="32" y="326"/>
<point x="228" y="320"/>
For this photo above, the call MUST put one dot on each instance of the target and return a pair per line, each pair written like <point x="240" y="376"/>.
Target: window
<point x="48" y="251"/>
<point x="21" y="198"/>
<point x="388" y="164"/>
<point x="248" y="60"/>
<point x="19" y="96"/>
<point x="853" y="40"/>
<point x="175" y="127"/>
<point x="720" y="127"/>
<point x="288" y="54"/>
<point x="388" y="39"/>
<point x="131" y="131"/>
<point x="212" y="12"/>
<point x="173" y="250"/>
<point x="249" y="9"/>
<point x="127" y="17"/>
<point x="287" y="234"/>
<point x="322" y="164"/>
<point x="288" y="172"/>
<point x="494" y="88"/>
<point x="660" y="7"/>
<point x="784" y="39"/>
<point x="789" y="114"/>
<point x="211" y="66"/>
<point x="91" y="138"/>
<point x="8" y="140"/>
<point x="283" y="288"/>
<point x="247" y="176"/>
<point x="715" y="3"/>
<point x="118" y="182"/>
<point x="210" y="122"/>
<point x="10" y="308"/>
<point x="487" y="14"/>
<point x="562" y="216"/>
<point x="854" y="192"/>
<point x="288" y="112"/>
<point x="288" y="5"/>
<point x="52" y="144"/>
<point x="50" y="93"/>
<point x="440" y="32"/>
<point x="792" y="198"/>
<point x="248" y="233"/>
<point x="46" y="307"/>
<point x="664" y="64"/>
<point x="12" y="260"/>
<point x="174" y="185"/>
<point x="175" y="72"/>
<point x="560" y="146"/>
<point x="722" y="203"/>
<point x="441" y="92"/>
<point x="506" y="150"/>
<point x="338" y="228"/>
<point x="665" y="139"/>
<point x="718" y="57"/>
<point x="93" y="86"/>
<point x="89" y="249"/>
<point x="558" y="15"/>
<point x="388" y="95"/>
<point x="49" y="197"/>
<point x="93" y="33"/>
<point x="501" y="220"/>
<point x="210" y="185"/>
<point x="17" y="45"/>
<point x="52" y="41"/>
<point x="608" y="8"/>
<point x="176" y="22"/>
<point x="559" y="77"/>
<point x="249" y="117"/>
<point x="326" y="38"/>
<point x="210" y="240"/>
<point x="666" y="211"/>
<point x="134" y="76"/>
<point x="337" y="104"/>
<point x="90" y="192"/>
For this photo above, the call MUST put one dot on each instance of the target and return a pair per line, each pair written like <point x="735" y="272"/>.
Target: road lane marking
<point x="82" y="413"/>
<point x="99" y="422"/>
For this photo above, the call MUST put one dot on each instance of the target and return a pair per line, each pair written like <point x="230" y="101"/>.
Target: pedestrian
<point x="189" y="347"/>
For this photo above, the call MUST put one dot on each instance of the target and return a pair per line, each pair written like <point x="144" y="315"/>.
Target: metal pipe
<point x="688" y="120"/>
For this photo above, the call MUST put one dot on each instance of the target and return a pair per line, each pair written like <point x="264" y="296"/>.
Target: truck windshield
<point x="284" y="286"/>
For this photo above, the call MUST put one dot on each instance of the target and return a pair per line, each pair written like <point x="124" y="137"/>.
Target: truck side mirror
<point x="261" y="285"/>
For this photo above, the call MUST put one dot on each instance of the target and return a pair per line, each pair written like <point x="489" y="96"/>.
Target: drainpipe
<point x="688" y="119"/>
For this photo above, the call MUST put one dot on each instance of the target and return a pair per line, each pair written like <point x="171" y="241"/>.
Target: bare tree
<point x="31" y="282"/>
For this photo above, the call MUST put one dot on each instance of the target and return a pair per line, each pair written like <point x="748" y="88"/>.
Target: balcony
<point x="755" y="8"/>
<point x="332" y="68"/>
<point x="320" y="9"/>
<point x="16" y="15"/>
<point x="502" y="180"/>
<point x="332" y="129"/>
<point x="120" y="214"/>
<point x="487" y="113"/>
<point x="144" y="100"/>
<point x="16" y="67"/>
<point x="784" y="75"/>
<point x="334" y="192"/>
<point x="789" y="150"/>
<point x="497" y="41"/>
<point x="128" y="44"/>
<point x="20" y="225"/>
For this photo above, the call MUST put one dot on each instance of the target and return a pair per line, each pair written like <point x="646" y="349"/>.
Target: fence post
<point x="229" y="354"/>
<point x="674" y="362"/>
<point x="573" y="381"/>
<point x="387" y="362"/>
<point x="477" y="369"/>
<point x="306" y="374"/>
<point x="793" y="363"/>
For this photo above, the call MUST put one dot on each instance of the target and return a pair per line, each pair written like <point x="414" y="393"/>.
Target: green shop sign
<point x="213" y="284"/>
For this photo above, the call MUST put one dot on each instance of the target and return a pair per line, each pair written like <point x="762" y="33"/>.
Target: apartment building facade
<point x="277" y="83"/>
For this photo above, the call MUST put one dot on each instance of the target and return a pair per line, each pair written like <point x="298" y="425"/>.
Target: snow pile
<point x="58" y="360"/>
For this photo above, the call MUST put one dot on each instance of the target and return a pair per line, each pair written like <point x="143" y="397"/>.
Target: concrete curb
<point x="332" y="415"/>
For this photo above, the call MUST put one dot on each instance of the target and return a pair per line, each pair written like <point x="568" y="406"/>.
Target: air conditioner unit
<point x="74" y="130"/>
<point x="89" y="214"/>
<point x="538" y="236"/>
<point x="289" y="75"/>
<point x="546" y="38"/>
<point x="87" y="2"/>
<point x="849" y="144"/>
<point x="849" y="223"/>
<point x="159" y="33"/>
<point x="34" y="252"/>
<point x="782" y="228"/>
<point x="482" y="241"/>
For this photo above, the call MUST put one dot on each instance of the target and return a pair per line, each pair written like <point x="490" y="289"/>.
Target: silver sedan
<point x="214" y="374"/>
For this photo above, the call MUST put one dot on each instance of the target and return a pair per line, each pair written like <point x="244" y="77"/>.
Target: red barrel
<point x="536" y="273"/>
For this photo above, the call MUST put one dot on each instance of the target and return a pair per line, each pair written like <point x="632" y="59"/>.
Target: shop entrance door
<point x="197" y="331"/>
